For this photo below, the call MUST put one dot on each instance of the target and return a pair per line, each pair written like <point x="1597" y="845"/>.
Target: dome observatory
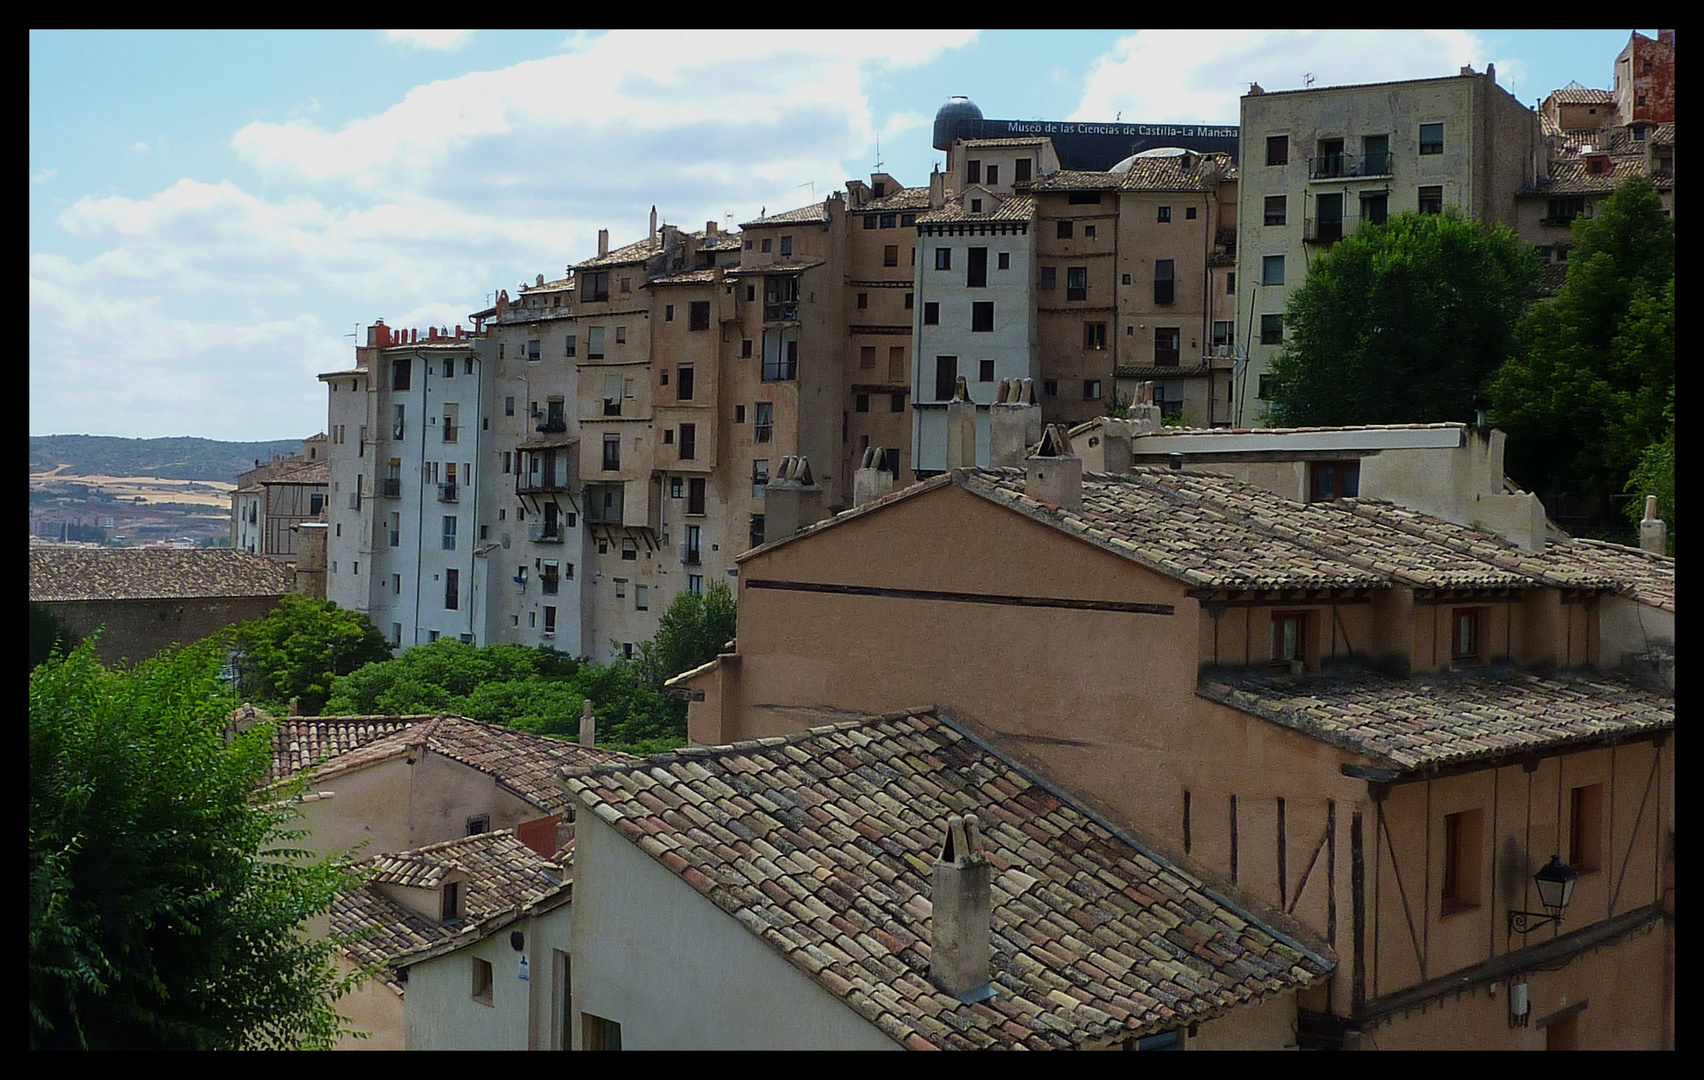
<point x="952" y="118"/>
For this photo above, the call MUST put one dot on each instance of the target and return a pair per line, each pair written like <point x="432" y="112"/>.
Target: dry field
<point x="150" y="489"/>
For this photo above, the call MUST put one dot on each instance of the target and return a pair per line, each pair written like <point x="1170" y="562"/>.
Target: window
<point x="478" y="825"/>
<point x="683" y="382"/>
<point x="909" y="297"/>
<point x="1375" y="155"/>
<point x="596" y="286"/>
<point x="688" y="442"/>
<point x="1067" y="229"/>
<point x="449" y="532"/>
<point x="1021" y="170"/>
<point x="594" y="343"/>
<point x="1332" y="480"/>
<point x="739" y="414"/>
<point x="1585" y="828"/>
<point x="976" y="270"/>
<point x="1224" y="334"/>
<point x="1094" y="335"/>
<point x="1164" y="214"/>
<point x="1005" y="262"/>
<point x="763" y="425"/>
<point x="982" y="317"/>
<point x="943" y="258"/>
<point x="1049" y="277"/>
<point x="861" y="403"/>
<point x="1091" y="389"/>
<point x="863" y="301"/>
<point x="745" y="348"/>
<point x="1375" y="208"/>
<point x="549" y="619"/>
<point x="888" y="221"/>
<point x="1263" y="390"/>
<point x="890" y="255"/>
<point x="629" y="553"/>
<point x="1276" y="209"/>
<point x="1272" y="270"/>
<point x="946" y="377"/>
<point x="621" y="335"/>
<point x="1088" y="232"/>
<point x="482" y="980"/>
<point x="596" y="1033"/>
<point x="1566" y="209"/>
<point x="401" y="374"/>
<point x="931" y="313"/>
<point x="316" y="502"/>
<point x="668" y="313"/>
<point x="1329" y="227"/>
<point x="532" y="349"/>
<point x="1231" y="284"/>
<point x="396" y="587"/>
<point x="896" y="402"/>
<point x="452" y="590"/>
<point x="611" y="453"/>
<point x="908" y="221"/>
<point x="1164" y="283"/>
<point x="569" y="343"/>
<point x="867" y="357"/>
<point x="1189" y="213"/>
<point x="1431" y="200"/>
<point x="1077" y="283"/>
<point x="985" y="370"/>
<point x="1167" y="345"/>
<point x="626" y="285"/>
<point x="396" y="530"/>
<point x="1050" y="387"/>
<point x="1461" y="870"/>
<point x="698" y="315"/>
<point x="508" y="406"/>
<point x="1277" y="150"/>
<point x="1290" y="637"/>
<point x="1271" y="331"/>
<point x="973" y="172"/>
<point x="786" y="245"/>
<point x="993" y="174"/>
<point x="869" y="221"/>
<point x="976" y="206"/>
<point x="1464" y="634"/>
<point x="695" y="495"/>
<point x="896" y="363"/>
<point x="641" y="598"/>
<point x="1083" y="198"/>
<point x="1431" y="139"/>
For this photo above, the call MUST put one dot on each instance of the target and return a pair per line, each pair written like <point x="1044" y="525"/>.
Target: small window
<point x="1165" y="214"/>
<point x="1272" y="270"/>
<point x="1091" y="389"/>
<point x="1271" y="332"/>
<point x="1189" y="213"/>
<point x="1083" y="198"/>
<point x="863" y="300"/>
<point x="1168" y="349"/>
<point x="946" y="377"/>
<point x="861" y="403"/>
<point x="1431" y="138"/>
<point x="1049" y="278"/>
<point x="452" y="590"/>
<point x="668" y="313"/>
<point x="739" y="414"/>
<point x="908" y="300"/>
<point x="908" y="221"/>
<point x="890" y="255"/>
<point x="1165" y="281"/>
<point x="1067" y="229"/>
<point x="508" y="406"/>
<point x="1277" y="207"/>
<point x="1332" y="480"/>
<point x="1231" y="284"/>
<point x="1077" y="283"/>
<point x="768" y="246"/>
<point x="1461" y="869"/>
<point x="943" y="258"/>
<point x="786" y="245"/>
<point x="1005" y="260"/>
<point x="896" y="402"/>
<point x="1432" y="200"/>
<point x="982" y="317"/>
<point x="1050" y="388"/>
<point x="1585" y="828"/>
<point x="976" y="206"/>
<point x="973" y="172"/>
<point x="596" y="1033"/>
<point x="1021" y="170"/>
<point x="866" y="357"/>
<point x="985" y="370"/>
<point x="621" y="335"/>
<point x="931" y="313"/>
<point x="1465" y="635"/>
<point x="1289" y="637"/>
<point x="1088" y="232"/>
<point x="745" y="348"/>
<point x="698" y="315"/>
<point x="1094" y="335"/>
<point x="683" y="382"/>
<point x="641" y="598"/>
<point x="1277" y="150"/>
<point x="888" y="221"/>
<point x="993" y="174"/>
<point x="626" y="285"/>
<point x="477" y="825"/>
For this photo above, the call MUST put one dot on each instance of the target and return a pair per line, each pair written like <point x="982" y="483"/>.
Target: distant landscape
<point x="100" y="488"/>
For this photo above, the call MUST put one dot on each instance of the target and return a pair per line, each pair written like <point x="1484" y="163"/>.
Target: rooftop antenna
<point x="878" y="157"/>
<point x="1308" y="80"/>
<point x="812" y="185"/>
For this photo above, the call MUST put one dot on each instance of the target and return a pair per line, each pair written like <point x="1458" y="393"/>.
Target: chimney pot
<point x="603" y="242"/>
<point x="1175" y="460"/>
<point x="962" y="902"/>
<point x="588" y="725"/>
<point x="1054" y="475"/>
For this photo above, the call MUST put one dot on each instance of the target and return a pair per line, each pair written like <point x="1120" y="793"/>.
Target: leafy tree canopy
<point x="1584" y="399"/>
<point x="300" y="646"/>
<point x="1654" y="475"/>
<point x="1402" y="322"/>
<point x="691" y="632"/>
<point x="48" y="635"/>
<point x="163" y="912"/>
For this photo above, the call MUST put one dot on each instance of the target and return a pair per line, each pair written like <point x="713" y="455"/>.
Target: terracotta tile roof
<point x="1011" y="208"/>
<point x="1571" y="176"/>
<point x="790" y="266"/>
<point x="916" y="198"/>
<point x="722" y="241"/>
<point x="804" y="215"/>
<point x="304" y="472"/>
<point x="822" y="844"/>
<point x="526" y="764"/>
<point x="1552" y="277"/>
<point x="1031" y="140"/>
<point x="638" y="251"/>
<point x="1644" y="576"/>
<point x="1575" y="94"/>
<point x="1428" y="722"/>
<point x="300" y="742"/>
<point x="1172" y="174"/>
<point x="550" y="286"/>
<point x="61" y="573"/>
<point x="505" y="881"/>
<point x="686" y="277"/>
<point x="1079" y="180"/>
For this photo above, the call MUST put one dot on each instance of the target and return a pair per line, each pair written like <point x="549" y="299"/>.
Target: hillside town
<point x="1074" y="702"/>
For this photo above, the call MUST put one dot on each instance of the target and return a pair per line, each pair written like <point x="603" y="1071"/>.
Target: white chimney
<point x="1653" y="533"/>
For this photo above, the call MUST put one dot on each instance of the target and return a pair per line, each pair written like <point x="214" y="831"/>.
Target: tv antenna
<point x="1308" y="80"/>
<point x="812" y="185"/>
<point x="878" y="155"/>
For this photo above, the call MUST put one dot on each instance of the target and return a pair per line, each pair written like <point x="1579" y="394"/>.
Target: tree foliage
<point x="1654" y="475"/>
<point x="1402" y="322"/>
<point x="532" y="689"/>
<point x="164" y="912"/>
<point x="1584" y="400"/>
<point x="300" y="646"/>
<point x="691" y="632"/>
<point x="49" y="634"/>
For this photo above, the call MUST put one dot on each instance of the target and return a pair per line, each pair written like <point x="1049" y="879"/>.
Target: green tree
<point x="1584" y="399"/>
<point x="1402" y="322"/>
<point x="691" y="632"/>
<point x="49" y="634"/>
<point x="300" y="646"/>
<point x="164" y="909"/>
<point x="1654" y="475"/>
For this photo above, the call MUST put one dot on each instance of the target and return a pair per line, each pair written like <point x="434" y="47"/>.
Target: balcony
<point x="1328" y="230"/>
<point x="390" y="487"/>
<point x="539" y="485"/>
<point x="1348" y="166"/>
<point x="449" y="493"/>
<point x="546" y="534"/>
<point x="451" y="431"/>
<point x="691" y="556"/>
<point x="785" y="312"/>
<point x="553" y="424"/>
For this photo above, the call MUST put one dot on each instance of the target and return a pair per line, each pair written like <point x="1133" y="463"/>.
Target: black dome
<point x="951" y="117"/>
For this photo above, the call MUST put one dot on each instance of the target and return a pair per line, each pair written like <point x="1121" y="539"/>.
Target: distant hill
<point x="168" y="459"/>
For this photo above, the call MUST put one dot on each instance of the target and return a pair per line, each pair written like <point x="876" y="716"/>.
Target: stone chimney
<point x="1653" y="533"/>
<point x="653" y="225"/>
<point x="871" y="481"/>
<point x="603" y="242"/>
<point x="959" y="948"/>
<point x="588" y="725"/>
<point x="1055" y="475"/>
<point x="792" y="500"/>
<point x="310" y="557"/>
<point x="937" y="190"/>
<point x="709" y="230"/>
<point x="1010" y="420"/>
<point x="961" y="428"/>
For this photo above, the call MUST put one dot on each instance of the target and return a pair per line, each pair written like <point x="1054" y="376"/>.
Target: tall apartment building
<point x="1317" y="163"/>
<point x="1644" y="79"/>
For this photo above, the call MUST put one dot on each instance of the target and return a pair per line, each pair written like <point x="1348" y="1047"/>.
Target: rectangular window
<point x="1432" y="200"/>
<point x="1374" y="208"/>
<point x="1050" y="388"/>
<point x="985" y="370"/>
<point x="1329" y="227"/>
<point x="611" y="453"/>
<point x="629" y="553"/>
<point x="888" y="221"/>
<point x="688" y="442"/>
<point x="763" y="425"/>
<point x="931" y="313"/>
<point x="683" y="382"/>
<point x="1077" y="283"/>
<point x="890" y="255"/>
<point x="1332" y="480"/>
<point x="508" y="406"/>
<point x="482" y="976"/>
<point x="1164" y="280"/>
<point x="869" y="221"/>
<point x="396" y="530"/>
<point x="1231" y="284"/>
<point x="626" y="285"/>
<point x="1083" y="198"/>
<point x="1167" y="345"/>
<point x="896" y="363"/>
<point x="1224" y="334"/>
<point x="1094" y="335"/>
<point x="1375" y="155"/>
<point x="595" y="285"/>
<point x="976" y="270"/>
<point x="1091" y="389"/>
<point x="908" y="300"/>
<point x="1461" y="869"/>
<point x="1277" y="209"/>
<point x="745" y="348"/>
<point x="452" y="590"/>
<point x="1431" y="138"/>
<point x="549" y="619"/>
<point x="1066" y="229"/>
<point x="1289" y="637"/>
<point x="1189" y="213"/>
<point x="569" y="344"/>
<point x="946" y="377"/>
<point x="1272" y="270"/>
<point x="863" y="301"/>
<point x="641" y="598"/>
<point x="1277" y="150"/>
<point x="1088" y="232"/>
<point x="973" y="172"/>
<point x="621" y="335"/>
<point x="861" y="403"/>
<point x="759" y="477"/>
<point x="1585" y="828"/>
<point x="401" y="374"/>
<point x="943" y="258"/>
<point x="982" y="317"/>
<point x="1271" y="331"/>
<point x="896" y="402"/>
<point x="866" y="357"/>
<point x="449" y="532"/>
<point x="739" y="414"/>
<point x="1021" y="170"/>
<point x="698" y="316"/>
<point x="993" y="174"/>
<point x="1464" y="635"/>
<point x="668" y="313"/>
<point x="1005" y="261"/>
<point x="594" y="343"/>
<point x="533" y="349"/>
<point x="1164" y="214"/>
<point x="1049" y="277"/>
<point x="695" y="495"/>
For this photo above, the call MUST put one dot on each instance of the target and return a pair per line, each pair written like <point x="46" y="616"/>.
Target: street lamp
<point x="1555" y="888"/>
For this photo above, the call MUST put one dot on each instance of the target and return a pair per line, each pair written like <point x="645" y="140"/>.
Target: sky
<point x="214" y="217"/>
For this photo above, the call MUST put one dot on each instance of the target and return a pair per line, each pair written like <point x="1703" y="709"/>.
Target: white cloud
<point x="139" y="147"/>
<point x="439" y="40"/>
<point x="1197" y="76"/>
<point x="45" y="175"/>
